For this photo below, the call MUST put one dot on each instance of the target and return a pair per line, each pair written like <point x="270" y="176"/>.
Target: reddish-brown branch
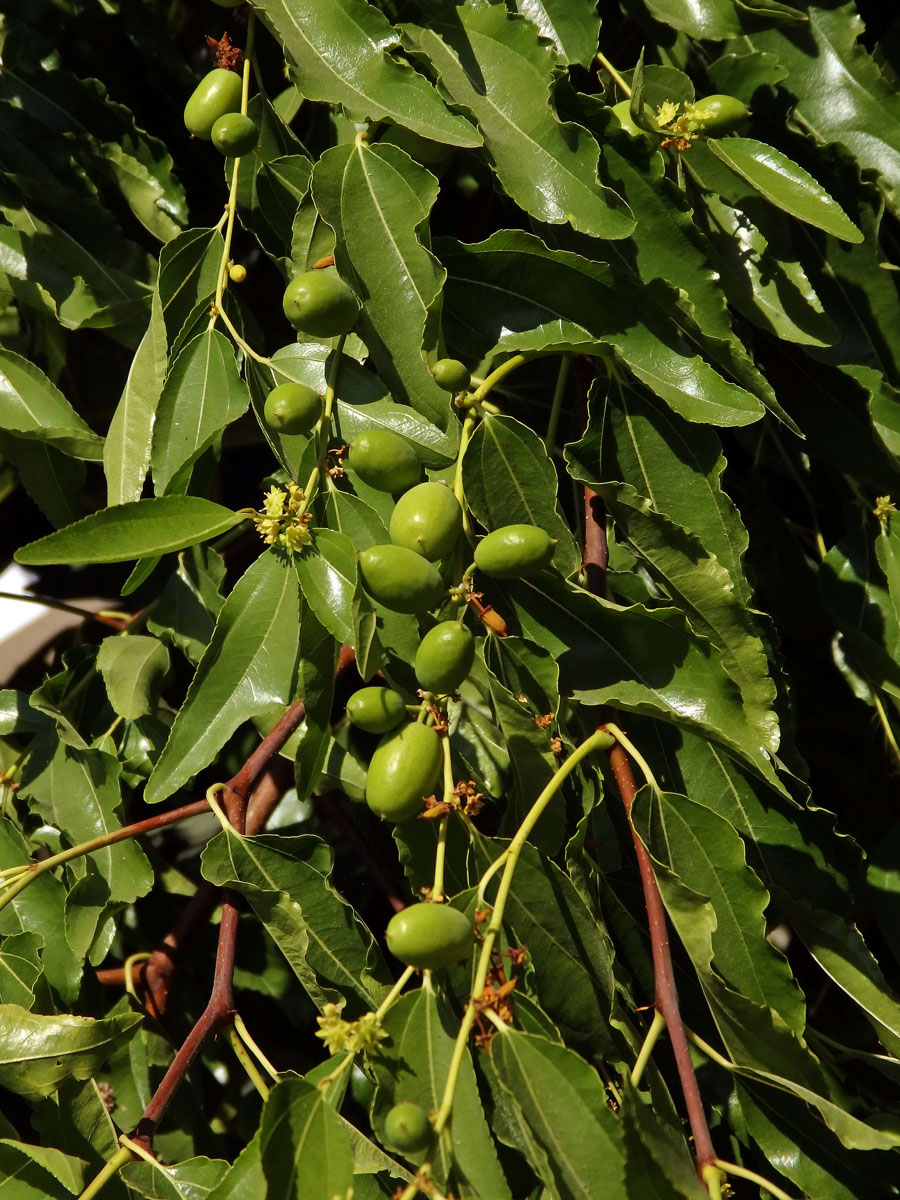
<point x="596" y="547"/>
<point x="666" y="998"/>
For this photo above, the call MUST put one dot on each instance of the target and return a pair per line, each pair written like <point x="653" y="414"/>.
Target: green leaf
<point x="185" y="611"/>
<point x="203" y="393"/>
<point x="784" y="184"/>
<point x="126" y="451"/>
<point x="133" y="670"/>
<point x="327" y="571"/>
<point x="248" y="668"/>
<point x="568" y="951"/>
<point x="495" y="66"/>
<point x="304" y="1150"/>
<point x="827" y="47"/>
<point x="378" y="202"/>
<point x="35" y="1172"/>
<point x="509" y="479"/>
<point x="564" y="302"/>
<point x="40" y="906"/>
<point x="709" y="19"/>
<point x="79" y="792"/>
<point x="412" y="1064"/>
<point x="20" y="968"/>
<point x="281" y="183"/>
<point x="571" y="25"/>
<point x="365" y="76"/>
<point x="31" y="406"/>
<point x="142" y="529"/>
<point x="564" y="1103"/>
<point x="188" y="270"/>
<point x="285" y="880"/>
<point x="52" y="480"/>
<point x="193" y="1179"/>
<point x="38" y="1052"/>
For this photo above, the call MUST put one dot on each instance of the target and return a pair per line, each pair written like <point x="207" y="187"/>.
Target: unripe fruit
<point x="292" y="408"/>
<point x="320" y="303"/>
<point x="727" y="114"/>
<point x="513" y="551"/>
<point x="444" y="657"/>
<point x="430" y="936"/>
<point x="623" y="113"/>
<point x="234" y="135"/>
<point x="451" y="375"/>
<point x="407" y="1128"/>
<point x="217" y="93"/>
<point x="403" y="770"/>
<point x="237" y="272"/>
<point x="376" y="709"/>
<point x="362" y="1089"/>
<point x="427" y="519"/>
<point x="384" y="460"/>
<point x="400" y="579"/>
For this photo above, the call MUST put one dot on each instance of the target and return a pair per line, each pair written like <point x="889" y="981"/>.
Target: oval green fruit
<point x="376" y="709"/>
<point x="216" y="94"/>
<point x="400" y="579"/>
<point x="362" y="1088"/>
<point x="403" y="770"/>
<point x="427" y="519"/>
<point x="429" y="936"/>
<point x="320" y="303"/>
<point x="384" y="460"/>
<point x="234" y="135"/>
<point x="513" y="551"/>
<point x="407" y="1128"/>
<point x="444" y="657"/>
<point x="727" y="114"/>
<point x="451" y="375"/>
<point x="292" y="408"/>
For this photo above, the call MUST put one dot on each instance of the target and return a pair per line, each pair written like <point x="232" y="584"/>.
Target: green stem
<point x="613" y="73"/>
<point x="556" y="407"/>
<point x="440" y="855"/>
<point x="657" y="1025"/>
<point x="465" y="436"/>
<point x="247" y="1063"/>
<point x="630" y="749"/>
<point x="323" y="425"/>
<point x="244" y="1034"/>
<point x="495" y="376"/>
<point x="744" y="1173"/>
<point x="598" y="740"/>
<point x="120" y="1159"/>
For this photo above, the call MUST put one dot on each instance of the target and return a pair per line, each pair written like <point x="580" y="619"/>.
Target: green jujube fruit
<point x="216" y="94"/>
<point x="406" y="1127"/>
<point x="400" y="579"/>
<point x="451" y="375"/>
<point x="403" y="770"/>
<point x="320" y="303"/>
<point x="444" y="657"/>
<point x="429" y="936"/>
<point x="727" y="114"/>
<point x="376" y="709"/>
<point x="625" y="119"/>
<point x="384" y="460"/>
<point x="234" y="135"/>
<point x="513" y="551"/>
<point x="292" y="408"/>
<point x="427" y="519"/>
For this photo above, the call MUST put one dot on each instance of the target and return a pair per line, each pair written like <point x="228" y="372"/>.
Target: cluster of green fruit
<point x="724" y="114"/>
<point x="212" y="113"/>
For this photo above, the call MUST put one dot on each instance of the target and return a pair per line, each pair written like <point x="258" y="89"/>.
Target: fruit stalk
<point x="323" y="426"/>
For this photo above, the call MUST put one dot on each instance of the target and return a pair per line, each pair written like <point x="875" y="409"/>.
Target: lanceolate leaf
<point x="564" y="302"/>
<point x="494" y="65"/>
<point x="571" y="25"/>
<point x="203" y="393"/>
<point x="31" y="406"/>
<point x="303" y="1148"/>
<point x="328" y="579"/>
<point x="38" y="1052"/>
<point x="141" y="529"/>
<point x="133" y="670"/>
<point x="367" y="78"/>
<point x="785" y="184"/>
<point x="249" y="668"/>
<point x="378" y="200"/>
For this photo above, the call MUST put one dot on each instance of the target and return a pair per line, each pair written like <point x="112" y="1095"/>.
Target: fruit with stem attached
<point x="514" y="551"/>
<point x="234" y="134"/>
<point x="727" y="114"/>
<point x="400" y="579"/>
<point x="292" y="408"/>
<point x="384" y="460"/>
<point x="403" y="770"/>
<point x="427" y="519"/>
<point x="451" y="375"/>
<point x="217" y="93"/>
<point x="376" y="709"/>
<point x="429" y="936"/>
<point x="407" y="1128"/>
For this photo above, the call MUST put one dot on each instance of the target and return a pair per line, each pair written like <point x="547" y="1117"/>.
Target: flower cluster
<point x="338" y="1034"/>
<point x="682" y="126"/>
<point x="283" y="520"/>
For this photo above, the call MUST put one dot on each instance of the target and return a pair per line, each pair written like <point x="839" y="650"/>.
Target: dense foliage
<point x="534" y="368"/>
